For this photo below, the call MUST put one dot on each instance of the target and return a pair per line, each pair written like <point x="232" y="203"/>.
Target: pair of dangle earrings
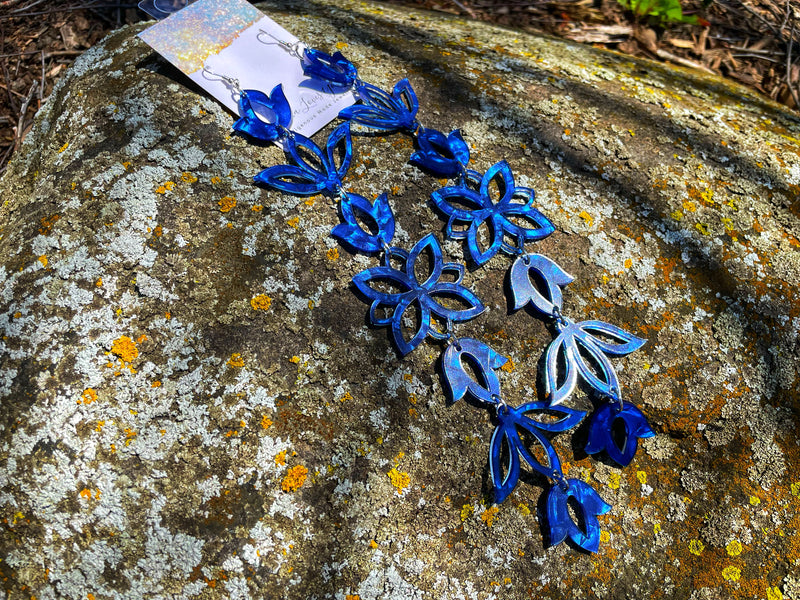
<point x="579" y="351"/>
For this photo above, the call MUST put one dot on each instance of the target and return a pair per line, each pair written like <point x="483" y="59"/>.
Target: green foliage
<point x="662" y="11"/>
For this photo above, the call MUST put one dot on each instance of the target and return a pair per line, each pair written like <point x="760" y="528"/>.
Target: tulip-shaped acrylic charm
<point x="400" y="293"/>
<point x="379" y="218"/>
<point x="446" y="156"/>
<point x="620" y="443"/>
<point x="507" y="446"/>
<point x="469" y="209"/>
<point x="383" y="111"/>
<point x="523" y="290"/>
<point x="334" y="69"/>
<point x="483" y="360"/>
<point x="253" y="103"/>
<point x="586" y="533"/>
<point x="314" y="171"/>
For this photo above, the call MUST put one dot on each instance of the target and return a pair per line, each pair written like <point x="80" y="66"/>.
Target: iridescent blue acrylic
<point x="560" y="523"/>
<point x="352" y="233"/>
<point x="601" y="428"/>
<point x="464" y="223"/>
<point x="599" y="373"/>
<point x="524" y="291"/>
<point x="483" y="359"/>
<point x="413" y="292"/>
<point x="511" y="421"/>
<point x="446" y="156"/>
<point x="253" y="102"/>
<point x="334" y="69"/>
<point x="314" y="171"/>
<point x="387" y="112"/>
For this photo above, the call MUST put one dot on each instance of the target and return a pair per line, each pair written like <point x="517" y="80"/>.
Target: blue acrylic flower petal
<point x="334" y="69"/>
<point x="474" y="306"/>
<point x="560" y="348"/>
<point x="601" y="435"/>
<point x="387" y="112"/>
<point x="379" y="215"/>
<point x="560" y="522"/>
<point x="524" y="291"/>
<point x="484" y="361"/>
<point x="570" y="417"/>
<point x="423" y="324"/>
<point x="628" y="341"/>
<point x="444" y="156"/>
<point x="384" y="273"/>
<point x="429" y="242"/>
<point x="503" y="484"/>
<point x="340" y="134"/>
<point x="291" y="179"/>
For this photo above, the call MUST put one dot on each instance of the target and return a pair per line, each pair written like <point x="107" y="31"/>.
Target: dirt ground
<point x="756" y="42"/>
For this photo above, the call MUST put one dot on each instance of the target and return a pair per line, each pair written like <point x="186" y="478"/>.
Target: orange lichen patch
<point x="64" y="147"/>
<point x="489" y="514"/>
<point x="347" y="396"/>
<point x="43" y="259"/>
<point x="166" y="187"/>
<point x="332" y="254"/>
<point x="99" y="282"/>
<point x="614" y="480"/>
<point x="155" y="384"/>
<point x="88" y="396"/>
<point x="508" y="367"/>
<point x="227" y="204"/>
<point x="294" y="222"/>
<point x="413" y="413"/>
<point x="731" y="573"/>
<point x="188" y="177"/>
<point x="399" y="479"/>
<point x="266" y="422"/>
<point x="261" y="302"/>
<point x="295" y="478"/>
<point x="129" y="435"/>
<point x="280" y="458"/>
<point x="294" y="359"/>
<point x="352" y="597"/>
<point x="257" y="208"/>
<point x="89" y="596"/>
<point x="587" y="218"/>
<point x="523" y="508"/>
<point x="158" y="231"/>
<point x="466" y="512"/>
<point x="696" y="547"/>
<point x="125" y="349"/>
<point x="215" y="179"/>
<point x="47" y="224"/>
<point x="236" y="360"/>
<point x="734" y="548"/>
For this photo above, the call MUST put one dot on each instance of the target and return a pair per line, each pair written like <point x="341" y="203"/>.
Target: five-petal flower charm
<point x="420" y="294"/>
<point x="314" y="171"/>
<point x="500" y="216"/>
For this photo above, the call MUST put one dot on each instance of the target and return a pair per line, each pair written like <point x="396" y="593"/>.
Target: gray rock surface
<point x="193" y="405"/>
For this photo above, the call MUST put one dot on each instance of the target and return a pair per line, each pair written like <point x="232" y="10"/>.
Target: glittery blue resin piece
<point x="560" y="523"/>
<point x="524" y="291"/>
<point x="380" y="220"/>
<point x="306" y="178"/>
<point x="421" y="294"/>
<point x="507" y="434"/>
<point x="444" y="156"/>
<point x="599" y="373"/>
<point x="464" y="223"/>
<point x="334" y="69"/>
<point x="249" y="123"/>
<point x="483" y="360"/>
<point x="383" y="111"/>
<point x="601" y="435"/>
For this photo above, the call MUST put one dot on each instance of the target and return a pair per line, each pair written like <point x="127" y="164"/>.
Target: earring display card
<point x="216" y="42"/>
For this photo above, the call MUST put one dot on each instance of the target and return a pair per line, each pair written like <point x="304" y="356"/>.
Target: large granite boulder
<point x="193" y="402"/>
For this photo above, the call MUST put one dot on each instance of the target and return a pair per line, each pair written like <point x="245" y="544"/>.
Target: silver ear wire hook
<point x="294" y="49"/>
<point x="231" y="82"/>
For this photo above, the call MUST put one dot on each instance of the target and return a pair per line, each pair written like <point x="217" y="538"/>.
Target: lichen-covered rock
<point x="195" y="407"/>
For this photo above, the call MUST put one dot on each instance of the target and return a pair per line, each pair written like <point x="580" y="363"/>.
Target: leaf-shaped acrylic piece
<point x="560" y="522"/>
<point x="253" y="102"/>
<point x="443" y="156"/>
<point x="464" y="223"/>
<point x="524" y="291"/>
<point x="351" y="232"/>
<point x="422" y="294"/>
<point x="334" y="69"/>
<point x="459" y="381"/>
<point x="306" y="178"/>
<point x="507" y="434"/>
<point x="566" y="346"/>
<point x="383" y="111"/>
<point x="601" y="431"/>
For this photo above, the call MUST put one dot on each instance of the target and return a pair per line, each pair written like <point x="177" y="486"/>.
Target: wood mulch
<point x="755" y="42"/>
